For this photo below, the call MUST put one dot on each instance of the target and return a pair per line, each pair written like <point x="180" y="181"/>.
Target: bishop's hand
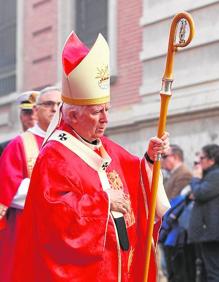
<point x="119" y="201"/>
<point x="158" y="146"/>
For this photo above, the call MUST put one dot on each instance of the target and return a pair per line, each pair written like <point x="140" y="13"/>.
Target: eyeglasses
<point x="49" y="104"/>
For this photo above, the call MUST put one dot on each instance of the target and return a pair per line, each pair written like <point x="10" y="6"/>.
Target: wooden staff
<point x="183" y="18"/>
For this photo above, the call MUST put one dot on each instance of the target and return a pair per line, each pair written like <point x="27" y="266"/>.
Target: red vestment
<point x="13" y="170"/>
<point x="68" y="233"/>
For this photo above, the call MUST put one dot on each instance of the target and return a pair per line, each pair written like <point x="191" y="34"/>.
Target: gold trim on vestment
<point x="118" y="251"/>
<point x="144" y="192"/>
<point x="31" y="150"/>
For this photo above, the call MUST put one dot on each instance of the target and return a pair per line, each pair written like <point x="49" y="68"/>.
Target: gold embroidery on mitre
<point x="116" y="184"/>
<point x="103" y="77"/>
<point x="130" y="258"/>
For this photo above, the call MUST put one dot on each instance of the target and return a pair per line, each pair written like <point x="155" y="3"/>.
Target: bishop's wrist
<point x="148" y="159"/>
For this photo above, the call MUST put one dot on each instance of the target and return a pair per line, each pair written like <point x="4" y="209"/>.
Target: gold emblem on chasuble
<point x="116" y="184"/>
<point x="114" y="180"/>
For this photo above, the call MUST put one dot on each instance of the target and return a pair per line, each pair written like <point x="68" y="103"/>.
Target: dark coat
<point x="204" y="220"/>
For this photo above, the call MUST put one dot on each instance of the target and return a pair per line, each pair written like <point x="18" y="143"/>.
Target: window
<point x="98" y="16"/>
<point x="7" y="46"/>
<point x="91" y="19"/>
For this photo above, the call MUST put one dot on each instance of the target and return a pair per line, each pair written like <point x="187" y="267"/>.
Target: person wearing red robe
<point x="85" y="216"/>
<point x="27" y="116"/>
<point x="15" y="171"/>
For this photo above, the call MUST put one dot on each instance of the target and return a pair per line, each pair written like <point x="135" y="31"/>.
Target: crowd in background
<point x="189" y="236"/>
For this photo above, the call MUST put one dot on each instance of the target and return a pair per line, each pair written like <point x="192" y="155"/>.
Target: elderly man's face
<point x="91" y="124"/>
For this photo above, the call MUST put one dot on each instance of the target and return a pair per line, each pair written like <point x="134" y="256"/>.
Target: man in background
<point x="203" y="228"/>
<point x="26" y="101"/>
<point x="179" y="174"/>
<point x="16" y="164"/>
<point x="175" y="247"/>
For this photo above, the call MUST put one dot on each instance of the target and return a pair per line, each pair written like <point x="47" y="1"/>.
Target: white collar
<point x="94" y="160"/>
<point x="90" y="145"/>
<point x="37" y="130"/>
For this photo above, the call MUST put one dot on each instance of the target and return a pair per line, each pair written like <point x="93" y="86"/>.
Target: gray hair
<point x="66" y="108"/>
<point x="46" y="90"/>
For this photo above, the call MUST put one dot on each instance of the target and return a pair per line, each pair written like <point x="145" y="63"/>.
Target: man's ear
<point x="73" y="115"/>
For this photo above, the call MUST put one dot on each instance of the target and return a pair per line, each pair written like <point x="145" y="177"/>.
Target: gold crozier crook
<point x="184" y="19"/>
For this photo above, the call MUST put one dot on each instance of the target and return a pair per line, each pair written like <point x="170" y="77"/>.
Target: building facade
<point x="137" y="32"/>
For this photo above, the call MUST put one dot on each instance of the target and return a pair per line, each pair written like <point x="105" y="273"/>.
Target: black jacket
<point x="204" y="220"/>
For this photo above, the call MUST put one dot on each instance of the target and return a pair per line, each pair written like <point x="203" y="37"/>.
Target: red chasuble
<point x="68" y="233"/>
<point x="13" y="170"/>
